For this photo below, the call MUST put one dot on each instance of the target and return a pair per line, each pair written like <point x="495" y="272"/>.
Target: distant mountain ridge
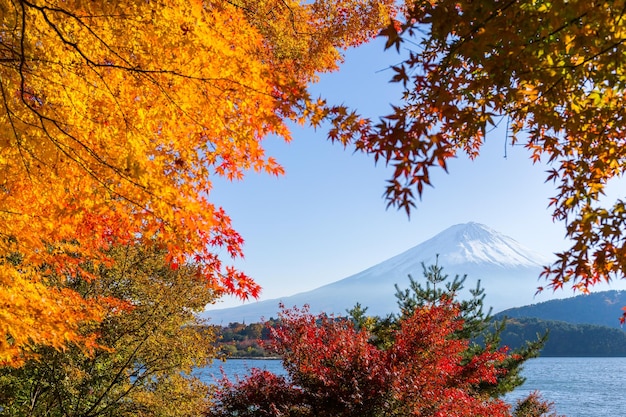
<point x="599" y="308"/>
<point x="507" y="270"/>
<point x="584" y="325"/>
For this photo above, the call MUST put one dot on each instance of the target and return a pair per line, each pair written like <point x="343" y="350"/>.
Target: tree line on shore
<point x="239" y="340"/>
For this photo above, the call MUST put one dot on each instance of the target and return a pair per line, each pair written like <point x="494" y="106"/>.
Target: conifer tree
<point x="478" y="327"/>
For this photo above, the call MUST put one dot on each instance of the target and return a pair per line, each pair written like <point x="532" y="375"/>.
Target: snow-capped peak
<point x="471" y="243"/>
<point x="476" y="243"/>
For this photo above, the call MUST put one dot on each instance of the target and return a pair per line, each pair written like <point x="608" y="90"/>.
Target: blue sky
<point x="326" y="218"/>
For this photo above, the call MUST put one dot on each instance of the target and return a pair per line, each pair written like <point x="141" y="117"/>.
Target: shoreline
<point x="260" y="358"/>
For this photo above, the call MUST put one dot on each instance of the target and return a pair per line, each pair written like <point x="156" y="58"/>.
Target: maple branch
<point x="252" y="12"/>
<point x="116" y="378"/>
<point x="600" y="53"/>
<point x="9" y="114"/>
<point x="43" y="118"/>
<point x="128" y="67"/>
<point x="466" y="38"/>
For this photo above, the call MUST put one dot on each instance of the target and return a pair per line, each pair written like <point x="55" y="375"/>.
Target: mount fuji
<point x="507" y="271"/>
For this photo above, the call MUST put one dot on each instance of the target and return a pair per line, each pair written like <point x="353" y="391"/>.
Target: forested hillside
<point x="239" y="340"/>
<point x="566" y="339"/>
<point x="601" y="308"/>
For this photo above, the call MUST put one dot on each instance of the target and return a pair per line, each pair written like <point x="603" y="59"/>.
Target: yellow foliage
<point x="150" y="349"/>
<point x="114" y="117"/>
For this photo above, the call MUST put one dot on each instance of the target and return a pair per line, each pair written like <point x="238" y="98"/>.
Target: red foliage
<point x="340" y="372"/>
<point x="429" y="373"/>
<point x="534" y="406"/>
<point x="334" y="370"/>
<point x="260" y="394"/>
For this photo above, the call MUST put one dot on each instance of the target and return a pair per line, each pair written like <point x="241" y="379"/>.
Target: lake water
<point x="579" y="387"/>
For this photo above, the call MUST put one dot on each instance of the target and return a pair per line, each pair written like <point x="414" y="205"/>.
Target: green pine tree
<point x="479" y="326"/>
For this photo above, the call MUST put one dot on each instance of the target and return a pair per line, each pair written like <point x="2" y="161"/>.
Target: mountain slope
<point x="508" y="271"/>
<point x="600" y="308"/>
<point x="566" y="339"/>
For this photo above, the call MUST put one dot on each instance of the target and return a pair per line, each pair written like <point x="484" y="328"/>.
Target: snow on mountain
<point x="476" y="243"/>
<point x="507" y="270"/>
<point x="470" y="244"/>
